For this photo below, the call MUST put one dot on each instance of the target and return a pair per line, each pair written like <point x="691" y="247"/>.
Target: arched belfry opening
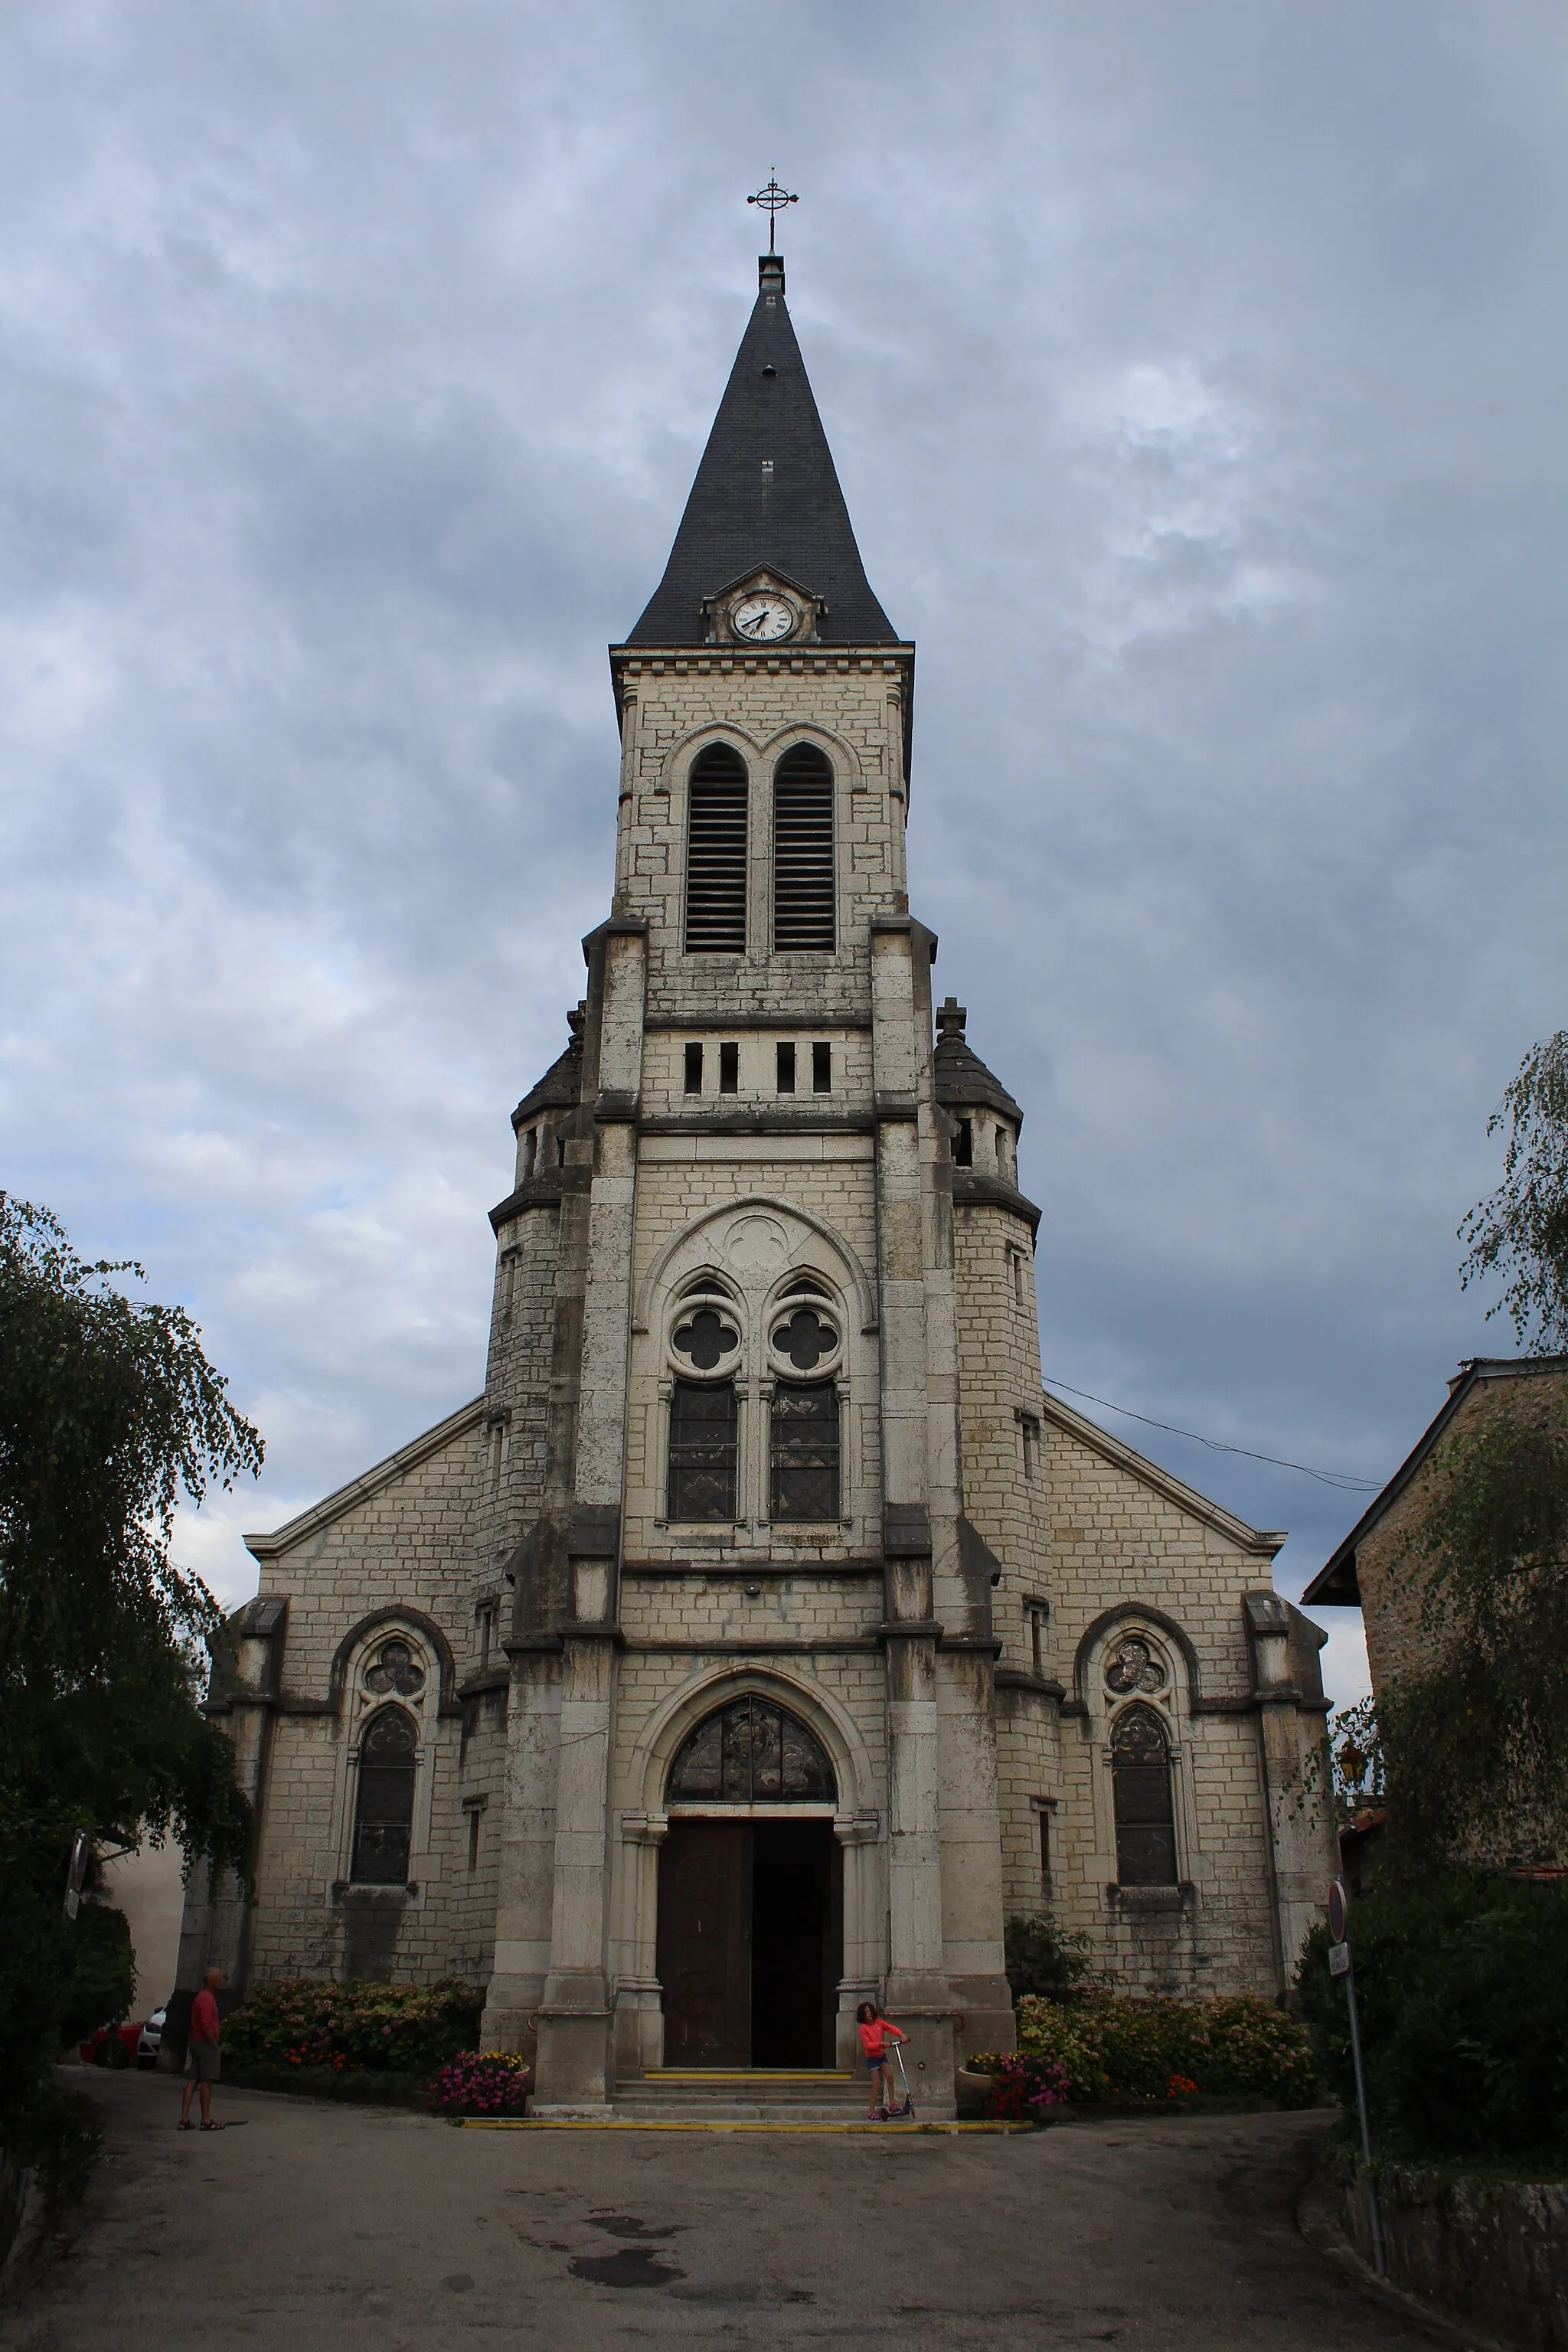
<point x="749" y="1893"/>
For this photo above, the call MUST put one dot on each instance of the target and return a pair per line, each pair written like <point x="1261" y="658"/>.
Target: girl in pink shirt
<point x="875" y="2031"/>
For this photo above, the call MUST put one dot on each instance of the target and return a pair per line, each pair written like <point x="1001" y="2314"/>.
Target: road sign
<point x="1339" y="1907"/>
<point x="1339" y="1959"/>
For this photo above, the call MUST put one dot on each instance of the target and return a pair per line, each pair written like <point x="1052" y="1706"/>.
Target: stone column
<point x="917" y="1990"/>
<point x="858" y="1835"/>
<point x="574" y="2016"/>
<point x="214" y="1927"/>
<point x="526" y="1876"/>
<point x="639" y="2014"/>
<point x="1302" y="1848"/>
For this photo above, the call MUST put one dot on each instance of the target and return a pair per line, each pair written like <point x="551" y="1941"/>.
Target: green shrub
<point x="1044" y="1962"/>
<point x="1464" y="2012"/>
<point x="102" y="1981"/>
<point x="313" y="2022"/>
<point x="1112" y="2048"/>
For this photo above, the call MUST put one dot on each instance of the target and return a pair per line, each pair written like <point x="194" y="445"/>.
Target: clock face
<point x="763" y="619"/>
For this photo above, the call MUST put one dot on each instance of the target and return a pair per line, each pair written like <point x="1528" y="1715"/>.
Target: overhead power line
<point x="1340" y="1479"/>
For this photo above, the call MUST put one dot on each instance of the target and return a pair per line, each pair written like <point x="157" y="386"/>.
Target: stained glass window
<point x="1141" y="1785"/>
<point x="383" y="1812"/>
<point x="752" y="1750"/>
<point x="806" y="1450"/>
<point x="703" y="1427"/>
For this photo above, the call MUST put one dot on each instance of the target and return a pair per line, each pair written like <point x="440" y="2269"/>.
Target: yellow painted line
<point x="837" y="2131"/>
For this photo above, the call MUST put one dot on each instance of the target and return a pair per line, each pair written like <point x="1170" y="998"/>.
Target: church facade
<point x="763" y="1637"/>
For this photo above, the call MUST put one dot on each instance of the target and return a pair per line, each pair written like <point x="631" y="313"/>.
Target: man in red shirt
<point x="203" y="2053"/>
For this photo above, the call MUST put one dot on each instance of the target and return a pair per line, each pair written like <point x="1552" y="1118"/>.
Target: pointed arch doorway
<point x="749" y="1893"/>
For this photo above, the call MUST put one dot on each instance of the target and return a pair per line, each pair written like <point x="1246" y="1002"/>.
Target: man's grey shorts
<point x="204" y="2061"/>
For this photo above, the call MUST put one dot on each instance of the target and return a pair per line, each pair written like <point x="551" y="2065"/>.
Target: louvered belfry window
<point x="803" y="851"/>
<point x="716" y="854"/>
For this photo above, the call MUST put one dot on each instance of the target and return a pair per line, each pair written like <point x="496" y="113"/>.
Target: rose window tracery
<point x="706" y="1339"/>
<point x="1132" y="1666"/>
<point x="805" y="1339"/>
<point x="395" y="1669"/>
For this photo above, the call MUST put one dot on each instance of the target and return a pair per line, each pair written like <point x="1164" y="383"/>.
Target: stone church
<point x="763" y="1637"/>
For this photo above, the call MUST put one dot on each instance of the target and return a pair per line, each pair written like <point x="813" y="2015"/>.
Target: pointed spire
<point x="766" y="495"/>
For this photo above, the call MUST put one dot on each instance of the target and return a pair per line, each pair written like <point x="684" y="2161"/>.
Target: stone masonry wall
<point x="852" y="706"/>
<point x="1118" y="1543"/>
<point x="407" y="1544"/>
<point x="1390" y="1593"/>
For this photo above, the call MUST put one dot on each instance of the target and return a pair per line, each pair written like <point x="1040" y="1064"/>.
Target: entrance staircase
<point x="713" y="2094"/>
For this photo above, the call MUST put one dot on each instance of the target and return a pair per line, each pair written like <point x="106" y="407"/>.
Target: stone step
<point x="739" y="2094"/>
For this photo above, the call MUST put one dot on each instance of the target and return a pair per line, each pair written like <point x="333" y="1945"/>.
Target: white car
<point x="149" y="2042"/>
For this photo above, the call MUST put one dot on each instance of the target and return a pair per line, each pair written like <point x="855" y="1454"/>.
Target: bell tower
<point x="732" y="1486"/>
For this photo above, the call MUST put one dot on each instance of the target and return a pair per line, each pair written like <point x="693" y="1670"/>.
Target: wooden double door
<point x="750" y="1942"/>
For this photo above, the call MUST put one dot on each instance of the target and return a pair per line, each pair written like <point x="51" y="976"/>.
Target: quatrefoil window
<point x="706" y="1339"/>
<point x="395" y="1670"/>
<point x="805" y="1339"/>
<point x="1132" y="1666"/>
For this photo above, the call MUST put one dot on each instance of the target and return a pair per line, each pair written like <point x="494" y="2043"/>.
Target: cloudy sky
<point x="1196" y="377"/>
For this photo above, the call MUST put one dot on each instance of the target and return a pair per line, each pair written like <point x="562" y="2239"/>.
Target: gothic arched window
<point x="704" y="1423"/>
<point x="383" y="1808"/>
<point x="806" y="1450"/>
<point x="1140" y="1785"/>
<point x="716" y="853"/>
<point x="803" y="911"/>
<point x="749" y="1751"/>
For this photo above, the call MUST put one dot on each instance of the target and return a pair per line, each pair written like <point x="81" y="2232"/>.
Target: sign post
<point x="1339" y="1965"/>
<point x="76" y="1874"/>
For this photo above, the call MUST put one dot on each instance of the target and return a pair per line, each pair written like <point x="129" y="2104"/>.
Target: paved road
<point x="322" y="2226"/>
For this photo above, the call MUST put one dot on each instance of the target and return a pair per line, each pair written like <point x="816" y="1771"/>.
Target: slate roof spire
<point x="765" y="494"/>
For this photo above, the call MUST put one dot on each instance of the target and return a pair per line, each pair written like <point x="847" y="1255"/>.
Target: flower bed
<point x="1157" y="2052"/>
<point x="314" y="2026"/>
<point x="479" y="2083"/>
<point x="1024" y="2086"/>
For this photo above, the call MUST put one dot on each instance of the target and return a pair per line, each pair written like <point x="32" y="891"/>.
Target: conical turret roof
<point x="963" y="1080"/>
<point x="766" y="496"/>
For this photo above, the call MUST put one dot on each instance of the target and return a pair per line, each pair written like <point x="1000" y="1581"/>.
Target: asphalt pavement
<point x="308" y="2225"/>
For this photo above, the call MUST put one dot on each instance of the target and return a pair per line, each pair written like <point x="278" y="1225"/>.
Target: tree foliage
<point x="1522" y="1231"/>
<point x="1464" y="2012"/>
<point x="110" y="1412"/>
<point x="1043" y="1960"/>
<point x="1475" y="1740"/>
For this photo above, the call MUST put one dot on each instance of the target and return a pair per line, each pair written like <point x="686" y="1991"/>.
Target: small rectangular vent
<point x="716" y="867"/>
<point x="802" y="857"/>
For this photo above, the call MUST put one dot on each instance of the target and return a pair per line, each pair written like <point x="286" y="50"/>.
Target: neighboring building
<point x="1364" y="1573"/>
<point x="764" y="1636"/>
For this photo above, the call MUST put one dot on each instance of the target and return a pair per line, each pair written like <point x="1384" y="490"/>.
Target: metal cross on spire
<point x="776" y="199"/>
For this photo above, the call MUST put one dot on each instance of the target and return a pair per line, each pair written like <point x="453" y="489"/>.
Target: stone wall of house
<point x="1387" y="1570"/>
